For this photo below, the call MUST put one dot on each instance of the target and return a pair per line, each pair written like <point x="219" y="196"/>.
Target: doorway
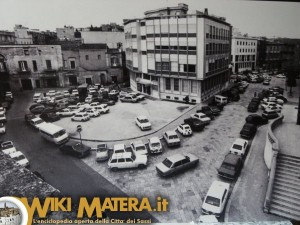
<point x="26" y="84"/>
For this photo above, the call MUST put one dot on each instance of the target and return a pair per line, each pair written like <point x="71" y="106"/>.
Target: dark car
<point x="281" y="97"/>
<point x="195" y="124"/>
<point x="278" y="89"/>
<point x="28" y="117"/>
<point x="207" y="111"/>
<point x="213" y="103"/>
<point x="109" y="102"/>
<point x="37" y="109"/>
<point x="256" y="119"/>
<point x="49" y="117"/>
<point x="270" y="114"/>
<point x="216" y="111"/>
<point x="256" y="100"/>
<point x="75" y="148"/>
<point x="9" y="99"/>
<point x="248" y="131"/>
<point x="252" y="107"/>
<point x="231" y="166"/>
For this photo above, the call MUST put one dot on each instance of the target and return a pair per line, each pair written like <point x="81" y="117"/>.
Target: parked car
<point x="66" y="94"/>
<point x="276" y="108"/>
<point x="266" y="82"/>
<point x="8" y="147"/>
<point x="75" y="148"/>
<point x="81" y="116"/>
<point x="88" y="99"/>
<point x="239" y="147"/>
<point x="113" y="92"/>
<point x="139" y="148"/>
<point x="248" y="131"/>
<point x="143" y="123"/>
<point x="66" y="112"/>
<point x="119" y="148"/>
<point x="109" y="102"/>
<point x="172" y="138"/>
<point x="40" y="109"/>
<point x="28" y="117"/>
<point x="155" y="145"/>
<point x="37" y="96"/>
<point x="256" y="119"/>
<point x="2" y="117"/>
<point x="270" y="114"/>
<point x="2" y="128"/>
<point x="207" y="111"/>
<point x="281" y="97"/>
<point x="280" y="76"/>
<point x="36" y="122"/>
<point x="220" y="106"/>
<point x="49" y="117"/>
<point x="216" y="198"/>
<point x="215" y="110"/>
<point x="176" y="163"/>
<point x="93" y="112"/>
<point x="127" y="160"/>
<point x="185" y="129"/>
<point x="51" y="93"/>
<point x="75" y="92"/>
<point x="20" y="158"/>
<point x="102" y="152"/>
<point x="102" y="108"/>
<point x="123" y="93"/>
<point x="140" y="96"/>
<point x="195" y="124"/>
<point x="231" y="166"/>
<point x="202" y="117"/>
<point x="266" y="105"/>
<point x="2" y="109"/>
<point x="9" y="94"/>
<point x="129" y="98"/>
<point x="252" y="107"/>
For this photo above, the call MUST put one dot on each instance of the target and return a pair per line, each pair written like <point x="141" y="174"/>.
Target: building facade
<point x="110" y="38"/>
<point x="10" y="216"/>
<point x="7" y="37"/>
<point x="25" y="67"/>
<point x="171" y="54"/>
<point x="22" y="35"/>
<point x="243" y="54"/>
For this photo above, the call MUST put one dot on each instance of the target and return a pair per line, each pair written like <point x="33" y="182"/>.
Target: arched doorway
<point x="103" y="78"/>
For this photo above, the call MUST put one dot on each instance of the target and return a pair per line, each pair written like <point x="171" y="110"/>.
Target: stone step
<point x="281" y="155"/>
<point x="288" y="169"/>
<point x="290" y="182"/>
<point x="287" y="190"/>
<point x="288" y="162"/>
<point x="286" y="195"/>
<point x="287" y="201"/>
<point x="288" y="175"/>
<point x="280" y="211"/>
<point x="287" y="185"/>
<point x="280" y="164"/>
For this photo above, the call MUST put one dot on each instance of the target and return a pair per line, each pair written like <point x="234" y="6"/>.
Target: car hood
<point x="162" y="167"/>
<point x="211" y="208"/>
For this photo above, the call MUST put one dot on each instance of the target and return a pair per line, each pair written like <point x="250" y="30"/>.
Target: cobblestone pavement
<point x="185" y="191"/>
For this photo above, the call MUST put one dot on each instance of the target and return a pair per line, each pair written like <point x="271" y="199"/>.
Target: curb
<point x="136" y="137"/>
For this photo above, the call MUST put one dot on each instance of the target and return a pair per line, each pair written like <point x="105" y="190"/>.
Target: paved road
<point x="69" y="175"/>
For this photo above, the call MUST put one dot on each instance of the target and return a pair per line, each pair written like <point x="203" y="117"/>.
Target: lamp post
<point x="79" y="129"/>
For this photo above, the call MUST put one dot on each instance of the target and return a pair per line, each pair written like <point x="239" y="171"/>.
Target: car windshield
<point x="20" y="157"/>
<point x="59" y="133"/>
<point x="155" y="144"/>
<point x="101" y="150"/>
<point x="212" y="201"/>
<point x="173" y="137"/>
<point x="144" y="120"/>
<point x="167" y="163"/>
<point x="38" y="121"/>
<point x="228" y="166"/>
<point x="140" y="148"/>
<point x="238" y="147"/>
<point x="7" y="146"/>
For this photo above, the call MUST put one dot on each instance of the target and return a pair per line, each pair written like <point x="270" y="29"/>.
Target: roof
<point x="93" y="46"/>
<point x="231" y="159"/>
<point x="216" y="189"/>
<point x="36" y="119"/>
<point x="176" y="158"/>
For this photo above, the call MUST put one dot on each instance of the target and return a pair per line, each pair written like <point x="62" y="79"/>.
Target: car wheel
<point x="141" y="166"/>
<point x="114" y="169"/>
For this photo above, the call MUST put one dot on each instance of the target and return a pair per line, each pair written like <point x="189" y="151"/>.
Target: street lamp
<point x="79" y="129"/>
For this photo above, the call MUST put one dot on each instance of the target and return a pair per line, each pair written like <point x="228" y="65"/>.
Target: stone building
<point x="22" y="35"/>
<point x="10" y="216"/>
<point x="7" y="37"/>
<point x="30" y="66"/>
<point x="171" y="54"/>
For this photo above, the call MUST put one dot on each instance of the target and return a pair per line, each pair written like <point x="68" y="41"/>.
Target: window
<point x="168" y="83"/>
<point x="163" y="66"/>
<point x="189" y="68"/>
<point x="26" y="52"/>
<point x="121" y="160"/>
<point x="185" y="85"/>
<point x="176" y="84"/>
<point x="23" y="66"/>
<point x="34" y="65"/>
<point x="194" y="86"/>
<point x="86" y="57"/>
<point x="99" y="57"/>
<point x="48" y="64"/>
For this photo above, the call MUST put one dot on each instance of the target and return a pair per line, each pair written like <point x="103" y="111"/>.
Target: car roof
<point x="171" y="132"/>
<point x="154" y="139"/>
<point x="121" y="155"/>
<point x="217" y="188"/>
<point x="15" y="154"/>
<point x="200" y="114"/>
<point x="176" y="157"/>
<point x="232" y="158"/>
<point x="142" y="117"/>
<point x="239" y="141"/>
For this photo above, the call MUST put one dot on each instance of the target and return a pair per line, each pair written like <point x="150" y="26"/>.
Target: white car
<point x="102" y="152"/>
<point x="37" y="96"/>
<point x="92" y="91"/>
<point x="113" y="92"/>
<point x="185" y="129"/>
<point x="280" y="76"/>
<point x="67" y="112"/>
<point x="119" y="148"/>
<point x="273" y="99"/>
<point x="94" y="104"/>
<point x="37" y="122"/>
<point x="207" y="219"/>
<point x="271" y="105"/>
<point x="9" y="94"/>
<point x="239" y="147"/>
<point x="143" y="123"/>
<point x="2" y="109"/>
<point x="216" y="198"/>
<point x="2" y="116"/>
<point x="66" y="94"/>
<point x="88" y="99"/>
<point x="75" y="92"/>
<point x="81" y="116"/>
<point x="103" y="108"/>
<point x="51" y="93"/>
<point x="73" y="107"/>
<point x="127" y="160"/>
<point x="8" y="147"/>
<point x="20" y="158"/>
<point x="2" y="128"/>
<point x="202" y="117"/>
<point x="93" y="112"/>
<point x="277" y="108"/>
<point x="139" y="148"/>
<point x="172" y="138"/>
<point x="155" y="145"/>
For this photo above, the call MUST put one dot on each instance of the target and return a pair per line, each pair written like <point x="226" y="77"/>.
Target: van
<point x="54" y="133"/>
<point x="221" y="99"/>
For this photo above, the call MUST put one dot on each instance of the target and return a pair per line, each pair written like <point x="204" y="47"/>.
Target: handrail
<point x="275" y="149"/>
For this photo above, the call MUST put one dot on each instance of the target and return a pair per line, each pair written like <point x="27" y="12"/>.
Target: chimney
<point x="205" y="11"/>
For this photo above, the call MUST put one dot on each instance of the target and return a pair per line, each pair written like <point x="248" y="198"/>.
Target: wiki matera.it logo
<point x="12" y="212"/>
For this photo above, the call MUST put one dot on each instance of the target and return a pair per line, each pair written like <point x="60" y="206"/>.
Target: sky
<point x="257" y="18"/>
<point x="8" y="204"/>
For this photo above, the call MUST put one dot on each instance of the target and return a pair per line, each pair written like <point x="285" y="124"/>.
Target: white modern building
<point x="171" y="54"/>
<point x="244" y="54"/>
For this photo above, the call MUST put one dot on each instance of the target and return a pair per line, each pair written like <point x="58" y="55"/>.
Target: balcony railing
<point x="26" y="71"/>
<point x="50" y="70"/>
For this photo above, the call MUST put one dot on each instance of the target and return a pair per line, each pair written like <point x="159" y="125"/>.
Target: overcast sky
<point x="8" y="204"/>
<point x="257" y="18"/>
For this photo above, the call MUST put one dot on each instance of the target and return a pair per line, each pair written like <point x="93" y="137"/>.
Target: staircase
<point x="286" y="189"/>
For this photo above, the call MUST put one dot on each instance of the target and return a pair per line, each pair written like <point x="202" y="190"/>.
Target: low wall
<point x="270" y="156"/>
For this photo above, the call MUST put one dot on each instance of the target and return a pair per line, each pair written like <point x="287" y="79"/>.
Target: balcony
<point x="50" y="70"/>
<point x="25" y="71"/>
